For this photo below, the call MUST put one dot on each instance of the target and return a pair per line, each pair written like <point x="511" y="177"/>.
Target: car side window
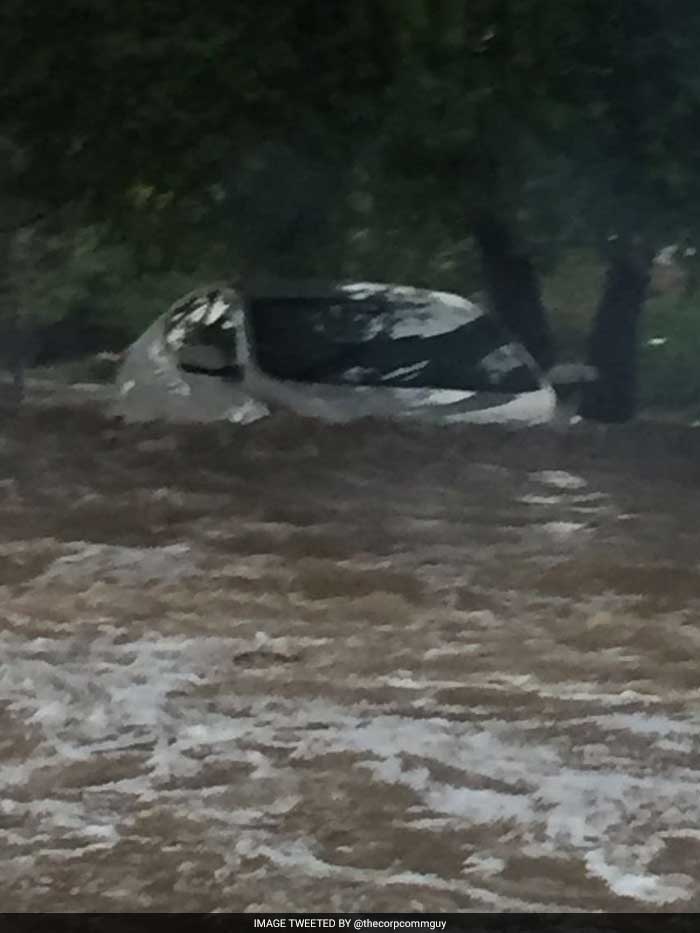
<point x="377" y="342"/>
<point x="312" y="339"/>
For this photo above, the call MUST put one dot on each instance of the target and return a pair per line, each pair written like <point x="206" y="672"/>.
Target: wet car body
<point x="336" y="352"/>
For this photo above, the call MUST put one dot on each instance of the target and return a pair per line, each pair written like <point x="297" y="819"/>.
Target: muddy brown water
<point x="300" y="667"/>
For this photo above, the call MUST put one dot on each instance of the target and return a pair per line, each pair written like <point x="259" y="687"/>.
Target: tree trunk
<point x="6" y="319"/>
<point x="612" y="346"/>
<point x="14" y="339"/>
<point x="18" y="362"/>
<point x="513" y="289"/>
<point x="14" y="358"/>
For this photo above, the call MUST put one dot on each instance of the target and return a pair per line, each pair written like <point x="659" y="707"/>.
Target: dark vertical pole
<point x="612" y="346"/>
<point x="513" y="289"/>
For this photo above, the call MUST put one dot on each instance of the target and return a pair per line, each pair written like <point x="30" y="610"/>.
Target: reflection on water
<point x="295" y="667"/>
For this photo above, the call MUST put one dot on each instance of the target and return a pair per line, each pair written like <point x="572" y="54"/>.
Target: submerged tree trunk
<point x="8" y="328"/>
<point x="18" y="359"/>
<point x="13" y="359"/>
<point x="612" y="347"/>
<point x="513" y="289"/>
<point x="16" y="339"/>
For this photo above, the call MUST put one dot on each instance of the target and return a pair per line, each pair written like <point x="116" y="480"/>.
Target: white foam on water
<point x="298" y="856"/>
<point x="650" y="889"/>
<point x="540" y="500"/>
<point x="247" y="411"/>
<point x="563" y="529"/>
<point x="94" y="561"/>
<point x="177" y="705"/>
<point x="560" y="479"/>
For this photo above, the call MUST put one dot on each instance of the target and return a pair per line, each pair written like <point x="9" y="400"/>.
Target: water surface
<point x="381" y="668"/>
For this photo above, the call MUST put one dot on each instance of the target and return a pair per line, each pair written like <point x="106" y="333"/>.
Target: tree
<point x="573" y="124"/>
<point x="531" y="124"/>
<point x="630" y="134"/>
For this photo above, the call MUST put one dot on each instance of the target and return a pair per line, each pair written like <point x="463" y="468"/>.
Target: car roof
<point x="313" y="288"/>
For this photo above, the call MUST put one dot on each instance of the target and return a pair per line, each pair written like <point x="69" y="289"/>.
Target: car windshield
<point x="388" y="340"/>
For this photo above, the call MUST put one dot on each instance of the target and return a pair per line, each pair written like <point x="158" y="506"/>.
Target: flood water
<point x="370" y="668"/>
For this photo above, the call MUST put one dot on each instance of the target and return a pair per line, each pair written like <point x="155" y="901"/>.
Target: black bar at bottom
<point x="380" y="923"/>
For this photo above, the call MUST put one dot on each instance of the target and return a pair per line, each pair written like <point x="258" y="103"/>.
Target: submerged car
<point x="337" y="352"/>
